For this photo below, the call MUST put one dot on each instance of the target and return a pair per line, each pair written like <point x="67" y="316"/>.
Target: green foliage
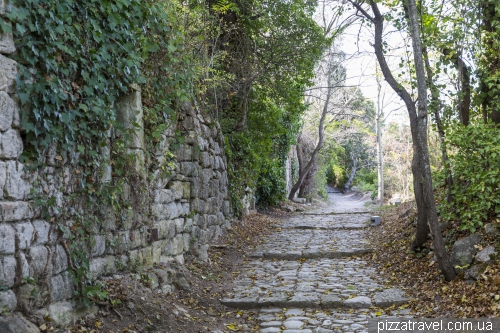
<point x="321" y="180"/>
<point x="76" y="59"/>
<point x="475" y="166"/>
<point x="271" y="185"/>
<point x="266" y="67"/>
<point x="366" y="180"/>
<point x="336" y="165"/>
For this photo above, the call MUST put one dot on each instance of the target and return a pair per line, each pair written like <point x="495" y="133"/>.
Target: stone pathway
<point x="311" y="276"/>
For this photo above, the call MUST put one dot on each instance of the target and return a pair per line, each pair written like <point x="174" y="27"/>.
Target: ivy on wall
<point x="76" y="59"/>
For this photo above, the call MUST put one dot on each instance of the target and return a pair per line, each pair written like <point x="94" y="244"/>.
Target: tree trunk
<point x="380" y="156"/>
<point x="422" y="180"/>
<point x="351" y="175"/>
<point x="428" y="204"/>
<point x="303" y="173"/>
<point x="307" y="168"/>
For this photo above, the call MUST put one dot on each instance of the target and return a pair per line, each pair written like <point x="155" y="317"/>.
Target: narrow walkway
<point x="311" y="275"/>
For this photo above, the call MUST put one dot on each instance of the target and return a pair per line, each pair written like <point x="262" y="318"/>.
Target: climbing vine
<point x="76" y="60"/>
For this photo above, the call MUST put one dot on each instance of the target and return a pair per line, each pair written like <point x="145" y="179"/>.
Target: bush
<point x="475" y="166"/>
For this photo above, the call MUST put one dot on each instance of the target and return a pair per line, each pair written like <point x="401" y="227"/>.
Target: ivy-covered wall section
<point x="103" y="164"/>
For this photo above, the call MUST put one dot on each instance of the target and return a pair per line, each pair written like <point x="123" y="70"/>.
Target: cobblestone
<point x="311" y="276"/>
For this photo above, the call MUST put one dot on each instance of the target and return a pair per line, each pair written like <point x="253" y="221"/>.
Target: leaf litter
<point x="431" y="295"/>
<point x="136" y="308"/>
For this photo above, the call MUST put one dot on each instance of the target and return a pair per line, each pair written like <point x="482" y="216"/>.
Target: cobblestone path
<point x="311" y="275"/>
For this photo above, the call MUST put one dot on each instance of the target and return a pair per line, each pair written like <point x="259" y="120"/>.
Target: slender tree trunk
<point x="380" y="156"/>
<point x="351" y="175"/>
<point x="321" y="128"/>
<point x="428" y="204"/>
<point x="422" y="180"/>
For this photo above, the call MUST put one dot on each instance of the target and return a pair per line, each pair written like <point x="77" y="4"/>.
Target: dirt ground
<point x="140" y="309"/>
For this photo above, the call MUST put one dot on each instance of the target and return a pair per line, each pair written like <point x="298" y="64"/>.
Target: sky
<point x="361" y="67"/>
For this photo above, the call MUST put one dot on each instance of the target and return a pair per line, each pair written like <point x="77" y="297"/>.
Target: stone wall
<point x="17" y="225"/>
<point x="189" y="207"/>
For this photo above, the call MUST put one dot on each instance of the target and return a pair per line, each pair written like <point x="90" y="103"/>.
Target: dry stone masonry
<point x="189" y="205"/>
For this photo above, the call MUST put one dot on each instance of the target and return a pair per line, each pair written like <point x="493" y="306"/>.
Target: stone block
<point x="475" y="271"/>
<point x="390" y="297"/>
<point x="205" y="160"/>
<point x="179" y="225"/>
<point x="463" y="250"/>
<point x="199" y="206"/>
<point x="222" y="164"/>
<point x="172" y="210"/>
<point x="99" y="246"/>
<point x="213" y="207"/>
<point x="202" y="143"/>
<point x="186" y="239"/>
<point x="11" y="144"/>
<point x="147" y="257"/>
<point x="180" y="209"/>
<point x="121" y="242"/>
<point x="135" y="257"/>
<point x="227" y="208"/>
<point x="7" y="239"/>
<point x="7" y="110"/>
<point x="375" y="221"/>
<point x="188" y="225"/>
<point x="200" y="221"/>
<point x="490" y="229"/>
<point x="186" y="191"/>
<point x="184" y="153"/>
<point x="202" y="252"/>
<point x="16" y="323"/>
<point x="102" y="266"/>
<point x="300" y="200"/>
<point x="358" y="302"/>
<point x="31" y="296"/>
<point x="163" y="196"/>
<point x="136" y="238"/>
<point x="175" y="246"/>
<point x="159" y="211"/>
<point x="189" y="169"/>
<point x="61" y="287"/>
<point x="61" y="313"/>
<point x="8" y="74"/>
<point x="59" y="260"/>
<point x="16" y="120"/>
<point x="25" y="233"/>
<point x="487" y="255"/>
<point x="129" y="112"/>
<point x="177" y="189"/>
<point x="167" y="229"/>
<point x="7" y="43"/>
<point x="39" y="263"/>
<point x="156" y="252"/>
<point x="25" y="267"/>
<point x="8" y="300"/>
<point x="195" y="187"/>
<point x="212" y="220"/>
<point x="7" y="271"/>
<point x="3" y="177"/>
<point x="206" y="175"/>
